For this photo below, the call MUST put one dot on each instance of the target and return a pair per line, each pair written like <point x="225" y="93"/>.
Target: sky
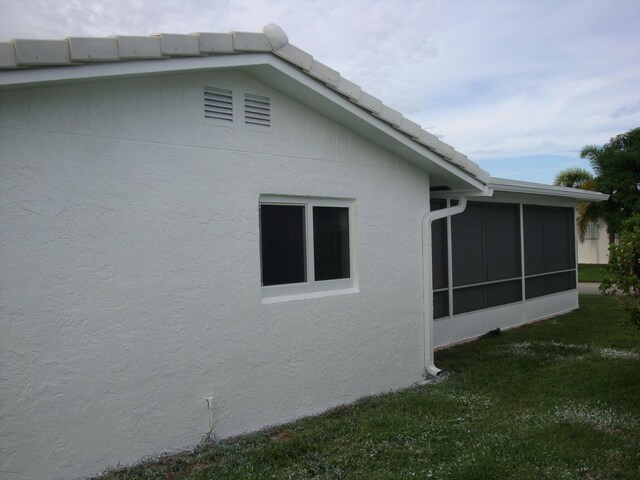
<point x="518" y="86"/>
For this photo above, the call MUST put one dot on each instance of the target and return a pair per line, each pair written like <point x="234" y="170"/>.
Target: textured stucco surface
<point x="597" y="250"/>
<point x="130" y="286"/>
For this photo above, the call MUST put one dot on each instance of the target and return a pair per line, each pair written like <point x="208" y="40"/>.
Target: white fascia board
<point x="25" y="77"/>
<point x="15" y="78"/>
<point x="516" y="186"/>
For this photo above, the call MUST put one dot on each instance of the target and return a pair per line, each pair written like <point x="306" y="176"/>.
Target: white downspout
<point x="427" y="278"/>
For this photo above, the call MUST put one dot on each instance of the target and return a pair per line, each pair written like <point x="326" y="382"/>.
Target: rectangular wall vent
<point x="218" y="104"/>
<point x="257" y="110"/>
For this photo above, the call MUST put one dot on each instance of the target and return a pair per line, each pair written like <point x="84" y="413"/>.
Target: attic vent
<point x="257" y="110"/>
<point x="218" y="104"/>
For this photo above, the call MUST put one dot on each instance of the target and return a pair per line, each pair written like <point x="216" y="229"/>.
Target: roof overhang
<point x="281" y="76"/>
<point x="506" y="190"/>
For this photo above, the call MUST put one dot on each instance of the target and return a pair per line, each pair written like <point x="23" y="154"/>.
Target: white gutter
<point x="427" y="278"/>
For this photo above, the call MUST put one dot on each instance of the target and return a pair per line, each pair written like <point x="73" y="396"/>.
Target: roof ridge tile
<point x="213" y="43"/>
<point x="177" y="44"/>
<point x="251" y="42"/>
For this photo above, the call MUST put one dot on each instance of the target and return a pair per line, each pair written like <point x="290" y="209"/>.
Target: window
<point x="591" y="232"/>
<point x="304" y="245"/>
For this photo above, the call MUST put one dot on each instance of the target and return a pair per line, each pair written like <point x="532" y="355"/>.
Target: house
<point x="595" y="246"/>
<point x="219" y="227"/>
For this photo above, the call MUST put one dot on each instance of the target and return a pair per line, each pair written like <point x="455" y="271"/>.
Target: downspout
<point x="427" y="278"/>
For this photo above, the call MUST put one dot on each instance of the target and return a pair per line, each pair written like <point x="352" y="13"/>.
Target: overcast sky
<point x="518" y="86"/>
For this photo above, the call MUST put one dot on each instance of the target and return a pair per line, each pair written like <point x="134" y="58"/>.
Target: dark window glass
<point x="282" y="244"/>
<point x="331" y="242"/>
<point x="440" y="304"/>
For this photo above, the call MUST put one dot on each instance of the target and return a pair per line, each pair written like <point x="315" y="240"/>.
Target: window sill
<point x="309" y="295"/>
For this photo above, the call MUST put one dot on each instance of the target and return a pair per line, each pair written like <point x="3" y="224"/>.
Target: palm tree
<point x="583" y="179"/>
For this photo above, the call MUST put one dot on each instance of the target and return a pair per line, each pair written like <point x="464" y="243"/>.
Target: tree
<point x="583" y="179"/>
<point x="623" y="278"/>
<point x="573" y="178"/>
<point x="617" y="172"/>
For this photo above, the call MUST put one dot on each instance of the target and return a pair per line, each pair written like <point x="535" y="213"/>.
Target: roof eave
<point x="515" y="186"/>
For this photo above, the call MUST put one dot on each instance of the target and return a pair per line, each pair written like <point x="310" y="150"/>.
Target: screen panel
<point x="559" y="239"/>
<point x="467" y="239"/>
<point x="439" y="254"/>
<point x="502" y="241"/>
<point x="468" y="299"/>
<point x="534" y="240"/>
<point x="504" y="292"/>
<point x="559" y="282"/>
<point x="440" y="304"/>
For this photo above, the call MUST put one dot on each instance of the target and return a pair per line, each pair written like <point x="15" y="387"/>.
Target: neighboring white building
<point x="221" y="215"/>
<point x="595" y="246"/>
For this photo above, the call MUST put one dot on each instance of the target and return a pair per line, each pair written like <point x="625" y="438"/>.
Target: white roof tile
<point x="251" y="42"/>
<point x="390" y="115"/>
<point x="174" y="44"/>
<point x="79" y="50"/>
<point x="410" y="128"/>
<point x="42" y="52"/>
<point x="139" y="47"/>
<point x="349" y="89"/>
<point x="216" y="42"/>
<point x="93" y="49"/>
<point x="7" y="55"/>
<point x="370" y="102"/>
<point x="296" y="56"/>
<point x="322" y="72"/>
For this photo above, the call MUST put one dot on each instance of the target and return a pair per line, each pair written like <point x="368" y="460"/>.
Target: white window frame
<point x="592" y="231"/>
<point x="311" y="288"/>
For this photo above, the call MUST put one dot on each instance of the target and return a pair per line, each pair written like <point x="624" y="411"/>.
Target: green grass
<point x="558" y="399"/>
<point x="591" y="272"/>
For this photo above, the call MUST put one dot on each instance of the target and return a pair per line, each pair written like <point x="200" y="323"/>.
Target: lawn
<point x="558" y="399"/>
<point x="591" y="272"/>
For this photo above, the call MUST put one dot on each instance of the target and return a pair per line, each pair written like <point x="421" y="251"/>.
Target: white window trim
<point x="592" y="231"/>
<point x="312" y="288"/>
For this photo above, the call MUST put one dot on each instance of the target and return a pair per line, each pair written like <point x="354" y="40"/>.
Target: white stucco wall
<point x="595" y="250"/>
<point x="130" y="286"/>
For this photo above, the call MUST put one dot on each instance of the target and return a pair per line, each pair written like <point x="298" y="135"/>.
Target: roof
<point x="517" y="186"/>
<point x="19" y="55"/>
